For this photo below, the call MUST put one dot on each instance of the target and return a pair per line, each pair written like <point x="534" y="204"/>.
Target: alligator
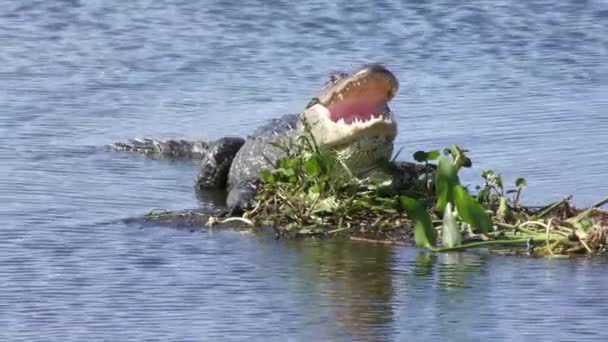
<point x="350" y="115"/>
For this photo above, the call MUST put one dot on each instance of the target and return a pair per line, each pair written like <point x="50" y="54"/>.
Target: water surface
<point x="523" y="86"/>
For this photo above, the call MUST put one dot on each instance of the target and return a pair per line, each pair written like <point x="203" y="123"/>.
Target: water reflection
<point x="371" y="287"/>
<point x="459" y="269"/>
<point x="213" y="197"/>
<point x="357" y="279"/>
<point x="447" y="271"/>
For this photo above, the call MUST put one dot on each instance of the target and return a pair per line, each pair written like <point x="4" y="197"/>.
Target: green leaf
<point x="312" y="167"/>
<point x="266" y="176"/>
<point x="498" y="181"/>
<point x="521" y="182"/>
<point x="471" y="211"/>
<point x="460" y="158"/>
<point x="285" y="172"/>
<point x="487" y="174"/>
<point x="451" y="236"/>
<point x="424" y="233"/>
<point x="291" y="163"/>
<point x="446" y="179"/>
<point x="432" y="155"/>
<point x="493" y="178"/>
<point x="421" y="156"/>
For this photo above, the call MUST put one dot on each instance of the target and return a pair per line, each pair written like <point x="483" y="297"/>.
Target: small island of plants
<point x="302" y="196"/>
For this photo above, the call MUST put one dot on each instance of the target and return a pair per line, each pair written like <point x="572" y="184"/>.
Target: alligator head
<point x="352" y="117"/>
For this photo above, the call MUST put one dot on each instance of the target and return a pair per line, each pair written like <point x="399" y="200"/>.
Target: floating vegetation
<point x="311" y="193"/>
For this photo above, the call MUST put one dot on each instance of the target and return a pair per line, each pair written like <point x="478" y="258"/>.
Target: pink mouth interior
<point x="350" y="110"/>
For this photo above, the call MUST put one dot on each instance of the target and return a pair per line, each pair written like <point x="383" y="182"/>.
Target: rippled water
<point x="523" y="86"/>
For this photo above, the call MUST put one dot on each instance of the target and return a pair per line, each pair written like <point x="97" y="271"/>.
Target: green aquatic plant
<point x="310" y="192"/>
<point x="491" y="218"/>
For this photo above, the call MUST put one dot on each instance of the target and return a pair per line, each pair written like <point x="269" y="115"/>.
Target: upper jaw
<point x="373" y="81"/>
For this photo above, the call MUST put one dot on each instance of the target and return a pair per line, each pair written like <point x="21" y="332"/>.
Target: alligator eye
<point x="335" y="77"/>
<point x="314" y="101"/>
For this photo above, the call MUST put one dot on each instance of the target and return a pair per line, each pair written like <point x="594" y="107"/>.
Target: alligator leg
<point x="242" y="196"/>
<point x="216" y="163"/>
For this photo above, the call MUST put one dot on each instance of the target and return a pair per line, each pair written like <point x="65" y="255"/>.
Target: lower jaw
<point x="365" y="155"/>
<point x="380" y="130"/>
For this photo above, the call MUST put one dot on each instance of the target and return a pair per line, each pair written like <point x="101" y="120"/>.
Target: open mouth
<point x="363" y="96"/>
<point x="354" y="107"/>
<point x="356" y="110"/>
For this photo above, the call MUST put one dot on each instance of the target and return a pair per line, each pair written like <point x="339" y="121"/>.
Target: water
<point x="523" y="86"/>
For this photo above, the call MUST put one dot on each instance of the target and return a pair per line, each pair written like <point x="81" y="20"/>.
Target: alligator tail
<point x="165" y="148"/>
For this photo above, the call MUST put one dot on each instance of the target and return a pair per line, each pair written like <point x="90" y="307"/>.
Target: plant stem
<point x="600" y="203"/>
<point x="479" y="244"/>
<point x="551" y="207"/>
<point x="338" y="230"/>
<point x="586" y="212"/>
<point x="517" y="227"/>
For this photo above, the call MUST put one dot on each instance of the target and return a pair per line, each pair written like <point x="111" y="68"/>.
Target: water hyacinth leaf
<point x="471" y="211"/>
<point x="446" y="179"/>
<point x="432" y="155"/>
<point x="521" y="182"/>
<point x="420" y="156"/>
<point x="451" y="236"/>
<point x="424" y="233"/>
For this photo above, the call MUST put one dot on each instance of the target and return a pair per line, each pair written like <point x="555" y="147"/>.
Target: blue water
<point x="523" y="85"/>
